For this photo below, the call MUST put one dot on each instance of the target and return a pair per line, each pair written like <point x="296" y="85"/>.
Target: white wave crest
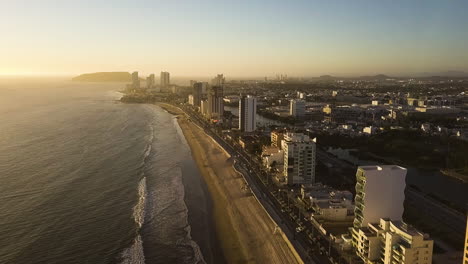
<point x="134" y="254"/>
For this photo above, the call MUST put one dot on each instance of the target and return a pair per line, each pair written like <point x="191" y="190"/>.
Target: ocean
<point x="87" y="179"/>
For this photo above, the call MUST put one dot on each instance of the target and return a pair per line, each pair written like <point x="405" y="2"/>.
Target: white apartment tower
<point x="296" y="108"/>
<point x="165" y="79"/>
<point x="247" y="112"/>
<point x="380" y="193"/>
<point x="299" y="158"/>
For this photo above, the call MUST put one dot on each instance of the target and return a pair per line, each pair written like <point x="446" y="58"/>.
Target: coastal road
<point x="301" y="243"/>
<point x="252" y="225"/>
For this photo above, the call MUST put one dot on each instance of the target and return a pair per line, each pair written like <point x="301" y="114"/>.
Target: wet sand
<point x="245" y="231"/>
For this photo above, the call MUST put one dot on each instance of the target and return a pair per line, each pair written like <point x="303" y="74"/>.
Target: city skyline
<point x="255" y="38"/>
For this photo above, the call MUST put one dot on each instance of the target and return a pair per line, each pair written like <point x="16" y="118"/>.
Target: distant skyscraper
<point x="218" y="80"/>
<point x="165" y="79"/>
<point x="297" y="108"/>
<point x="299" y="158"/>
<point x="215" y="102"/>
<point x="150" y="81"/>
<point x="247" y="112"/>
<point x="135" y="80"/>
<point x="197" y="93"/>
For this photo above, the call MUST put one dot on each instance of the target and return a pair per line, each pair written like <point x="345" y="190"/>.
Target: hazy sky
<point x="238" y="38"/>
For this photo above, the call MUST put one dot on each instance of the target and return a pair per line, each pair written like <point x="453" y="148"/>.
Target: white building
<point x="329" y="205"/>
<point x="380" y="193"/>
<point x="165" y="79"/>
<point x="299" y="158"/>
<point x="392" y="242"/>
<point x="190" y="99"/>
<point x="370" y="130"/>
<point x="247" y="113"/>
<point x="296" y="108"/>
<point x="272" y="155"/>
<point x="204" y="107"/>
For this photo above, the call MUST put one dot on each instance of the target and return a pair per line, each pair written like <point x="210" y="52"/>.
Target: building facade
<point x="135" y="80"/>
<point x="299" y="158"/>
<point x="392" y="242"/>
<point x="204" y="107"/>
<point x="380" y="193"/>
<point x="150" y="81"/>
<point x="297" y="108"/>
<point x="165" y="79"/>
<point x="247" y="113"/>
<point x="197" y="93"/>
<point x="276" y="138"/>
<point x="215" y="103"/>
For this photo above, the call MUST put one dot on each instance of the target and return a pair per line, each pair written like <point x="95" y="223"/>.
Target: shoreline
<point x="245" y="230"/>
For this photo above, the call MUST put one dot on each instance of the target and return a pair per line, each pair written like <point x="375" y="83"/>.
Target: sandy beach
<point x="245" y="231"/>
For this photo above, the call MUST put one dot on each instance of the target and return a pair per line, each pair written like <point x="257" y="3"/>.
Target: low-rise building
<point x="276" y="138"/>
<point x="392" y="242"/>
<point x="272" y="156"/>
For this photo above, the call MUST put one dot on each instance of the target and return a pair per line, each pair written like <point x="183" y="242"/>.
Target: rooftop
<point x="381" y="167"/>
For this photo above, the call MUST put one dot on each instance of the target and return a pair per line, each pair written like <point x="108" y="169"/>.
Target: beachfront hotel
<point x="299" y="158"/>
<point x="247" y="113"/>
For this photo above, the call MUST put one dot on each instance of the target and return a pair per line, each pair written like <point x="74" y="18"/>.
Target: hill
<point x="104" y="77"/>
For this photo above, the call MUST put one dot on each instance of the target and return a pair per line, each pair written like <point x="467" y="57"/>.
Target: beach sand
<point x="245" y="231"/>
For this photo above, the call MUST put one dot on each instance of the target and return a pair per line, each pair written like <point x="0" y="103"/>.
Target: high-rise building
<point x="297" y="108"/>
<point x="197" y="93"/>
<point x="392" y="242"/>
<point x="204" y="107"/>
<point x="165" y="79"/>
<point x="247" y="113"/>
<point x="218" y="80"/>
<point x="135" y="80"/>
<point x="150" y="81"/>
<point x="215" y="103"/>
<point x="380" y="193"/>
<point x="299" y="158"/>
